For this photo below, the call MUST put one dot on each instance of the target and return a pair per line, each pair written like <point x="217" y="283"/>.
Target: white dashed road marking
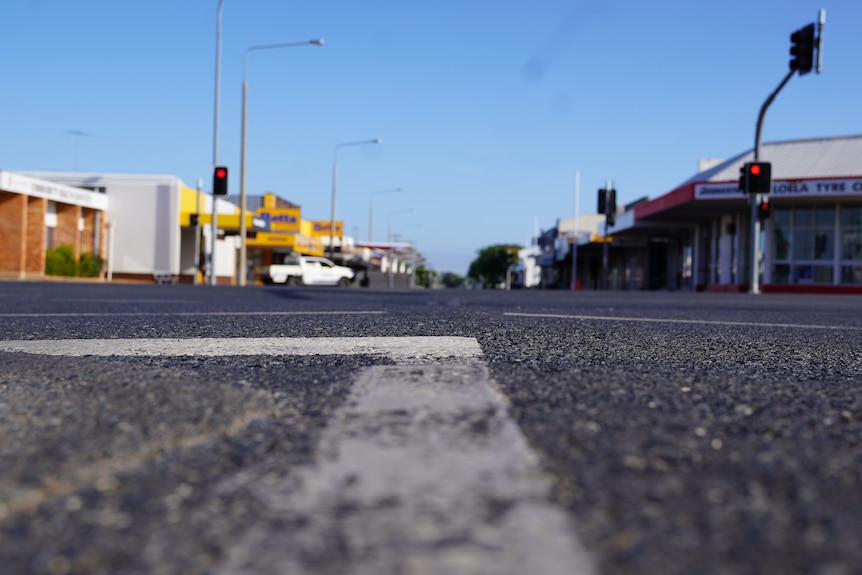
<point x="398" y="348"/>
<point x="421" y="471"/>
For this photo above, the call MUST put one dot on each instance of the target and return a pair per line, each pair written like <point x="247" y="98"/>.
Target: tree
<point x="451" y="280"/>
<point x="490" y="267"/>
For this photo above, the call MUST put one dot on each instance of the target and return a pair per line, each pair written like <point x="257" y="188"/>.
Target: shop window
<point x="781" y="227"/>
<point x="851" y="275"/>
<point x="804" y="244"/>
<point x="851" y="233"/>
<point x="808" y="274"/>
<point x="781" y="273"/>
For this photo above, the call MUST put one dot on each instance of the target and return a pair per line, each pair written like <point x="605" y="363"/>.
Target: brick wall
<point x="13" y="215"/>
<point x="67" y="227"/>
<point x="35" y="236"/>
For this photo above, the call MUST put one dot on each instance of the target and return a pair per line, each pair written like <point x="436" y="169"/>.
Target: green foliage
<point x="60" y="261"/>
<point x="489" y="269"/>
<point x="452" y="280"/>
<point x="89" y="266"/>
<point x="425" y="277"/>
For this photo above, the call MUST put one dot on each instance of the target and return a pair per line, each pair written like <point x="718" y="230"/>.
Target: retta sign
<point x="840" y="187"/>
<point x="286" y="220"/>
<point x="321" y="228"/>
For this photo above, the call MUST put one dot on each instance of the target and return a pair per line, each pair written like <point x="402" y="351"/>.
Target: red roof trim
<point x="682" y="195"/>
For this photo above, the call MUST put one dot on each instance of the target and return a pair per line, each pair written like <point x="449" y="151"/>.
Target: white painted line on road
<point x="413" y="349"/>
<point x="421" y="471"/>
<point x="683" y="321"/>
<point x="190" y="313"/>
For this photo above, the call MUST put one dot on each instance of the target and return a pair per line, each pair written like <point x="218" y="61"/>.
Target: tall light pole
<point x="214" y="226"/>
<point x="335" y="184"/>
<point x="243" y="280"/>
<point x="371" y="210"/>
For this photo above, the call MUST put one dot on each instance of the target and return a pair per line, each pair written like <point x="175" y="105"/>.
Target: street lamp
<point x="243" y="280"/>
<point x="395" y="213"/>
<point x="335" y="184"/>
<point x="371" y="210"/>
<point x="214" y="226"/>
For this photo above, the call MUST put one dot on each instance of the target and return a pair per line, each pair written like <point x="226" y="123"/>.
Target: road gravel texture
<point x="725" y="440"/>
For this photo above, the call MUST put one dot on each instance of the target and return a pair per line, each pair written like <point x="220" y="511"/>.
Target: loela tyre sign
<point x="784" y="189"/>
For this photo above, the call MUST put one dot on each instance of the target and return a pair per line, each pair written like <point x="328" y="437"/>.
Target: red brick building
<point x="37" y="215"/>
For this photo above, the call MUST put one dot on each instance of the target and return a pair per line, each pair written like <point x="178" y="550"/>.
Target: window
<point x="850" y="235"/>
<point x="803" y="245"/>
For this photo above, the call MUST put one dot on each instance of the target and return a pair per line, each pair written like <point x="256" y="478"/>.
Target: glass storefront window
<point x="803" y="244"/>
<point x="781" y="274"/>
<point x="781" y="234"/>
<point x="824" y="217"/>
<point x="812" y="244"/>
<point x="851" y="275"/>
<point x="851" y="236"/>
<point x="851" y="216"/>
<point x="851" y="244"/>
<point x="807" y="274"/>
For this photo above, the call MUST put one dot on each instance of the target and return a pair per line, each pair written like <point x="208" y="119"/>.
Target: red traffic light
<point x="755" y="169"/>
<point x="220" y="181"/>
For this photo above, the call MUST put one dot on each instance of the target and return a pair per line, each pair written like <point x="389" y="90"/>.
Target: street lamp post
<point x="335" y="185"/>
<point x="243" y="280"/>
<point x="371" y="210"/>
<point x="214" y="227"/>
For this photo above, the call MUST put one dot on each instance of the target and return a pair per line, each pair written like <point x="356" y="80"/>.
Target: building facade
<point x="699" y="235"/>
<point x="39" y="215"/>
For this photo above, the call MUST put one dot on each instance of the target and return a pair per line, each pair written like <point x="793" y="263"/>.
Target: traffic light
<point x="763" y="212"/>
<point x="756" y="177"/>
<point x="611" y="207"/>
<point x="193" y="220"/>
<point x="608" y="204"/>
<point x="220" y="181"/>
<point x="802" y="49"/>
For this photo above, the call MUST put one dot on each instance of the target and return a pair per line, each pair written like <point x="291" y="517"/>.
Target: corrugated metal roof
<point x="836" y="157"/>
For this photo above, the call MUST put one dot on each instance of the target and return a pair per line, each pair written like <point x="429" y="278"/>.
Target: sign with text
<point x="284" y="220"/>
<point x="49" y="190"/>
<point x="783" y="189"/>
<point x="321" y="228"/>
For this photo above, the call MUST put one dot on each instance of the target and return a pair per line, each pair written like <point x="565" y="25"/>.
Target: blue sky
<point x="486" y="108"/>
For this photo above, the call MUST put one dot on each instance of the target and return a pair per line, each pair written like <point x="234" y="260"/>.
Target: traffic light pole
<point x="755" y="199"/>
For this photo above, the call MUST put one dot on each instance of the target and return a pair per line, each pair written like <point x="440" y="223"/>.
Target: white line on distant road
<point x="689" y="321"/>
<point x="191" y="313"/>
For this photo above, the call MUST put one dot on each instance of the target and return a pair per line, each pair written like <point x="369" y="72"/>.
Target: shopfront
<point x="811" y="239"/>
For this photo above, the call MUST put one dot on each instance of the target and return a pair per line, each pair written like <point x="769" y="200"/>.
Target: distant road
<point x="182" y="429"/>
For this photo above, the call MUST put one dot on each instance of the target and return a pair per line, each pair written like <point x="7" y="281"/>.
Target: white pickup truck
<point x="306" y="270"/>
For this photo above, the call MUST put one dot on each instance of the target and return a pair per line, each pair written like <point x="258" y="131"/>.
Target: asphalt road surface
<point x="184" y="430"/>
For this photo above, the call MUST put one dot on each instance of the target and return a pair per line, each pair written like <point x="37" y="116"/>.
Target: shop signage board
<point x="783" y="189"/>
<point x="51" y="191"/>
